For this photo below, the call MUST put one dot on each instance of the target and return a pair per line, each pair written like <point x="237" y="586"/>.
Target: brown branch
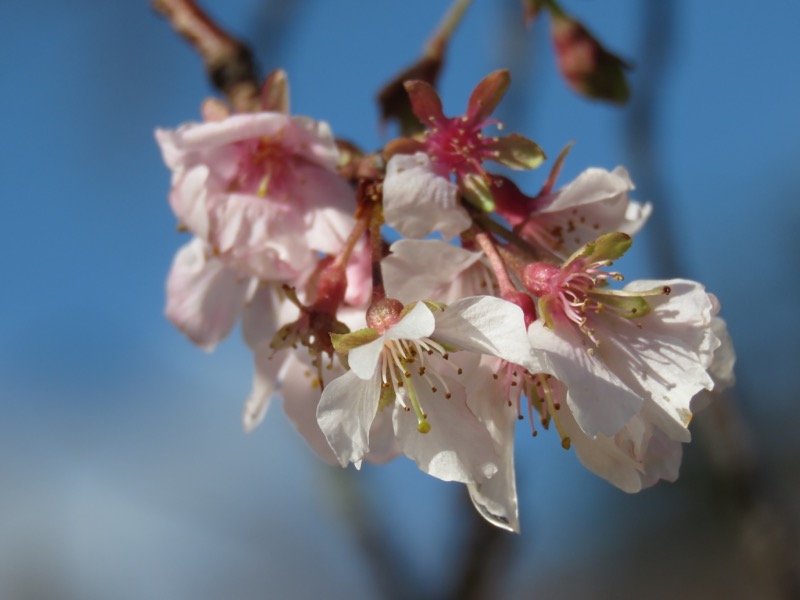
<point x="229" y="62"/>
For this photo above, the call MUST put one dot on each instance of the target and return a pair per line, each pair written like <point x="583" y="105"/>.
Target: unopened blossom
<point x="400" y="364"/>
<point x="588" y="67"/>
<point x="447" y="160"/>
<point x="619" y="352"/>
<point x="260" y="189"/>
<point x="559" y="222"/>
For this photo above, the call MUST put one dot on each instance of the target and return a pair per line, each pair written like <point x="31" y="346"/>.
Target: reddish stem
<point x="486" y="243"/>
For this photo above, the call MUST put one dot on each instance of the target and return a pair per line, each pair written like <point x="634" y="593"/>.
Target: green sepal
<point x="388" y="397"/>
<point x="518" y="152"/>
<point x="344" y="342"/>
<point x="478" y="193"/>
<point x="447" y="347"/>
<point x="608" y="247"/>
<point x="629" y="305"/>
<point x="546" y="309"/>
<point x="435" y="306"/>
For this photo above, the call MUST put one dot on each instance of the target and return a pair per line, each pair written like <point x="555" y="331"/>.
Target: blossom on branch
<point x="261" y="190"/>
<point x="456" y="146"/>
<point x="401" y="363"/>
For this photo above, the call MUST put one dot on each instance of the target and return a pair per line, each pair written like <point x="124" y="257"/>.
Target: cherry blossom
<point x="401" y="364"/>
<point x="617" y="350"/>
<point x="451" y="146"/>
<point x="260" y="189"/>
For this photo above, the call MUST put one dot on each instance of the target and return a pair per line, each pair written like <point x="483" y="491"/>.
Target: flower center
<point x="262" y="168"/>
<point x="458" y="146"/>
<point x="403" y="361"/>
<point x="543" y="395"/>
<point x="574" y="294"/>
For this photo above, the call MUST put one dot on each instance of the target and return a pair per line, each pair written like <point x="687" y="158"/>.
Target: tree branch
<point x="228" y="62"/>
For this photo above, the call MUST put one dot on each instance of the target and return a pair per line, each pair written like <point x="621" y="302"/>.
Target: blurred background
<point x="125" y="473"/>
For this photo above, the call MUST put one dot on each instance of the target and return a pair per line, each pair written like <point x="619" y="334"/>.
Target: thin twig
<point x="436" y="46"/>
<point x="229" y="62"/>
<point x="485" y="552"/>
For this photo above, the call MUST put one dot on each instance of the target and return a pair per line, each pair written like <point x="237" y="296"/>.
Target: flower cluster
<point x="425" y="347"/>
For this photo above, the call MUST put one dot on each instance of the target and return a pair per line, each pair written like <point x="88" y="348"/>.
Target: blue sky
<point x="121" y="443"/>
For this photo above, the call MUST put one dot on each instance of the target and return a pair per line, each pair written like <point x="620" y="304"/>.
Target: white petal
<point x="418" y="323"/>
<point x="592" y="186"/>
<point x="363" y="359"/>
<point x="721" y="369"/>
<point x="636" y="457"/>
<point x="596" y="202"/>
<point x="204" y="297"/>
<point x="457" y="447"/>
<point x="487" y="325"/>
<point x="664" y="355"/>
<point x="418" y="269"/>
<point x="417" y="201"/>
<point x="264" y="384"/>
<point x="345" y="414"/>
<point x="600" y="401"/>
<point x="495" y="499"/>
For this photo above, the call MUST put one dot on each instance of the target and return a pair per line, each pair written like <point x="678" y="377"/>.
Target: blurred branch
<point x="391" y="578"/>
<point x="229" y="62"/>
<point x="764" y="528"/>
<point x="656" y="47"/>
<point x="486" y="551"/>
<point x="271" y="26"/>
<point x="393" y="98"/>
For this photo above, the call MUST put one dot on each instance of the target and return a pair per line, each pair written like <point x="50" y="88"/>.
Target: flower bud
<point x="588" y="67"/>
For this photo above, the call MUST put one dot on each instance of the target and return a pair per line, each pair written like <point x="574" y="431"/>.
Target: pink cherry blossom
<point x="260" y="189"/>
<point x="451" y="147"/>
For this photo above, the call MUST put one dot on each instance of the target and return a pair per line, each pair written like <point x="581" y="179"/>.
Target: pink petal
<point x="204" y="297"/>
